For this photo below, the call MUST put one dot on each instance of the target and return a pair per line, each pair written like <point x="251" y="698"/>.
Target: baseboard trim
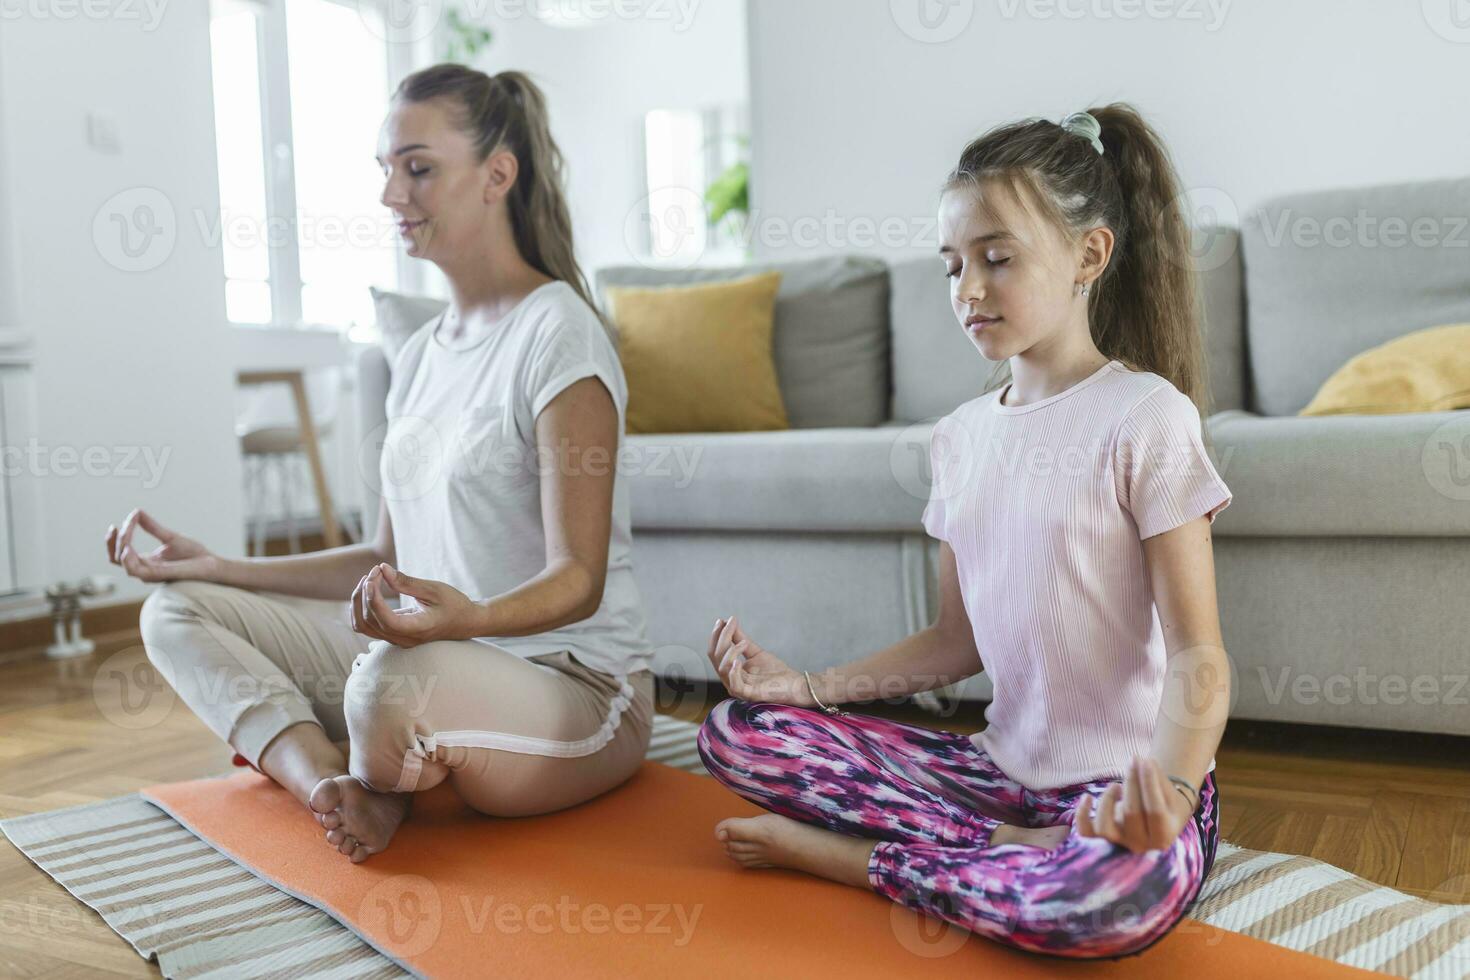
<point x="26" y="639"/>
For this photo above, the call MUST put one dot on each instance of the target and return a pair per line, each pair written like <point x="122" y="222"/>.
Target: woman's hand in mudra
<point x="751" y="672"/>
<point x="443" y="613"/>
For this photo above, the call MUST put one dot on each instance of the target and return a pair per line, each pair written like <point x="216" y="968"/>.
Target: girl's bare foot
<point x="359" y="822"/>
<point x="773" y="841"/>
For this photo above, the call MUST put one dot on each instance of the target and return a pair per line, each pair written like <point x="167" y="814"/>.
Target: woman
<point x="518" y="667"/>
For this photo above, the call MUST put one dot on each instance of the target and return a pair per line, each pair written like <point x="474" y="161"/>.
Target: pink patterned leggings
<point x="933" y="799"/>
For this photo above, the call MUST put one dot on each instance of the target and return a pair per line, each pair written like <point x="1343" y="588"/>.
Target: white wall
<point x="854" y="118"/>
<point x="126" y="361"/>
<point x="599" y="82"/>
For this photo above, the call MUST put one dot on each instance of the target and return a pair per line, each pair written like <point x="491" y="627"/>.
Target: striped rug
<point x="176" y="899"/>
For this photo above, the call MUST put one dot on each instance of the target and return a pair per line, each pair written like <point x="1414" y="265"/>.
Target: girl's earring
<point x="1082" y="288"/>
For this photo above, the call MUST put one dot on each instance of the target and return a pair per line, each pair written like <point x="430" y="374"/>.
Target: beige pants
<point x="513" y="735"/>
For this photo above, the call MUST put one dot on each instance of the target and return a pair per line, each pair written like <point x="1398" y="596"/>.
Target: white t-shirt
<point x="461" y="471"/>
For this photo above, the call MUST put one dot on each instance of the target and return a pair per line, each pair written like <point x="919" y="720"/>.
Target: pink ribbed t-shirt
<point x="1046" y="506"/>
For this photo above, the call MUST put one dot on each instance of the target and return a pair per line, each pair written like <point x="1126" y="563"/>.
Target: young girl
<point x="518" y="668"/>
<point x="1074" y="508"/>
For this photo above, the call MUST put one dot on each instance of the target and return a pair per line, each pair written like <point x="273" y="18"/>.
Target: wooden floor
<point x="1391" y="808"/>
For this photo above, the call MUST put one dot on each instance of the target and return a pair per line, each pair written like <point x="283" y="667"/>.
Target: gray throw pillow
<point x="936" y="368"/>
<point x="400" y="315"/>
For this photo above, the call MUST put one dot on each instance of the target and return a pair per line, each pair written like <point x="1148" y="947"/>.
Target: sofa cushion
<point x="1331" y="273"/>
<point x="686" y="349"/>
<point x="1344" y="475"/>
<point x="831" y="336"/>
<point x="847" y="479"/>
<point x="935" y="366"/>
<point x="1424" y="371"/>
<point x="400" y="315"/>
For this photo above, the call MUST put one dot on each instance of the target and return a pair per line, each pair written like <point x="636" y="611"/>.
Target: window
<point x="300" y="88"/>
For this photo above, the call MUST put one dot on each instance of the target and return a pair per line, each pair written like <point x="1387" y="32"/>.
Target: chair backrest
<point x="1329" y="274"/>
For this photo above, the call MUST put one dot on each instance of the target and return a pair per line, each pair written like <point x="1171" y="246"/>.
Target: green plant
<point x="729" y="193"/>
<point x="466" y="39"/>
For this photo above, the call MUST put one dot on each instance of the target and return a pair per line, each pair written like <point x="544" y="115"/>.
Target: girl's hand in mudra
<point x="751" y="672"/>
<point x="1142" y="813"/>
<point x="444" y="612"/>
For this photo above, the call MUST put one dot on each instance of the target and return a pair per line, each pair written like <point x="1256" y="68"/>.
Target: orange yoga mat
<point x="633" y="883"/>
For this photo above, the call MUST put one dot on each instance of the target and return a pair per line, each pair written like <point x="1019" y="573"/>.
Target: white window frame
<point x="278" y="149"/>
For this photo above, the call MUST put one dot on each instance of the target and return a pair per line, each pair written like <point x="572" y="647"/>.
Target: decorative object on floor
<point x="66" y="615"/>
<point x="1424" y="371"/>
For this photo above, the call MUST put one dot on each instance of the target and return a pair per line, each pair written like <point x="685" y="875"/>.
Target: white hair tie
<point x="1085" y="124"/>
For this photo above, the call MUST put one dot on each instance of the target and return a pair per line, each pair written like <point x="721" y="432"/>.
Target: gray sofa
<point x="1342" y="564"/>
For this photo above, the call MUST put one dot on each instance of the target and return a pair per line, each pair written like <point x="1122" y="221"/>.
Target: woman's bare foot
<point x="773" y="841"/>
<point x="359" y="822"/>
<point x="1048" y="838"/>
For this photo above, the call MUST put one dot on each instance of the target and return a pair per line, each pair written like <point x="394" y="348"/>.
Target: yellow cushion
<point x="1424" y="371"/>
<point x="698" y="358"/>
